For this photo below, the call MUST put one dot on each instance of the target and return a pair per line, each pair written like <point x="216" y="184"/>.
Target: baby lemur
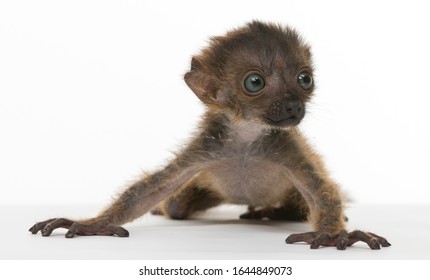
<point x="255" y="82"/>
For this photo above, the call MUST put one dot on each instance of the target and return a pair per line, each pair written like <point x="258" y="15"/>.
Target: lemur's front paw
<point x="341" y="240"/>
<point x="90" y="227"/>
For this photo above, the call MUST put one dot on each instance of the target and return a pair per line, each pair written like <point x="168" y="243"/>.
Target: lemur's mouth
<point x="289" y="121"/>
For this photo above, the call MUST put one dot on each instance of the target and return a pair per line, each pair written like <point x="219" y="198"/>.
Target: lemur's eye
<point x="253" y="84"/>
<point x="305" y="80"/>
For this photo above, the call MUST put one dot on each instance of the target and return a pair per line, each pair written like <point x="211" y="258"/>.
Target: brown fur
<point x="248" y="149"/>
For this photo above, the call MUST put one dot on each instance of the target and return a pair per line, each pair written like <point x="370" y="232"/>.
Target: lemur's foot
<point x="341" y="240"/>
<point x="89" y="227"/>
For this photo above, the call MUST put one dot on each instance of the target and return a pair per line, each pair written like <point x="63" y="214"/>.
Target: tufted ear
<point x="202" y="82"/>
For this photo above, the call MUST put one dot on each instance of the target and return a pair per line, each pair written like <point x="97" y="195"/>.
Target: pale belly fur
<point x="249" y="180"/>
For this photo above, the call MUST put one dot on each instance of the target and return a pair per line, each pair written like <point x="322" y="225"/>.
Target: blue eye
<point x="305" y="80"/>
<point x="253" y="84"/>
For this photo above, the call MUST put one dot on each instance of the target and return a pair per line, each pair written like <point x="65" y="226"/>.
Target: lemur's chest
<point x="249" y="180"/>
<point x="246" y="174"/>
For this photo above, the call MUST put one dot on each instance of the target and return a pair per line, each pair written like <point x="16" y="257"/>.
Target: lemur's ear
<point x="202" y="82"/>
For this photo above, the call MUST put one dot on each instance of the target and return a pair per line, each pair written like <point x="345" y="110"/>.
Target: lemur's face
<point x="262" y="73"/>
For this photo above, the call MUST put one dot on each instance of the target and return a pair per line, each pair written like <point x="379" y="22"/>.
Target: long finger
<point x="57" y="223"/>
<point x="358" y="235"/>
<point x="384" y="242"/>
<point x="73" y="230"/>
<point x="307" y="237"/>
<point x="342" y="241"/>
<point x="118" y="231"/>
<point x="39" y="226"/>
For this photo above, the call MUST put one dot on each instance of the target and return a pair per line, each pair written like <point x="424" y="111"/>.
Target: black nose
<point x="294" y="108"/>
<point x="285" y="113"/>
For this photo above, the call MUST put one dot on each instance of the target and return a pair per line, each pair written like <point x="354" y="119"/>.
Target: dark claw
<point x="39" y="226"/>
<point x="70" y="234"/>
<point x="54" y="224"/>
<point x="381" y="240"/>
<point x="289" y="240"/>
<point x="47" y="231"/>
<point x="118" y="231"/>
<point x="320" y="240"/>
<point x="342" y="244"/>
<point x="371" y="239"/>
<point x="123" y="233"/>
<point x="374" y="245"/>
<point x="74" y="228"/>
<point x="315" y="245"/>
<point x="33" y="229"/>
<point x="342" y="241"/>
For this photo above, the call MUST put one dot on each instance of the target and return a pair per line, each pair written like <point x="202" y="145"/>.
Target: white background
<point x="91" y="92"/>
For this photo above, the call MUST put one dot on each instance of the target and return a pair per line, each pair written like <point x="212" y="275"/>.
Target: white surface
<point x="91" y="92"/>
<point x="218" y="234"/>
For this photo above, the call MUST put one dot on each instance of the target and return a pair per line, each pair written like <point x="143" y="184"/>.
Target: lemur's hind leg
<point x="294" y="208"/>
<point x="189" y="200"/>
